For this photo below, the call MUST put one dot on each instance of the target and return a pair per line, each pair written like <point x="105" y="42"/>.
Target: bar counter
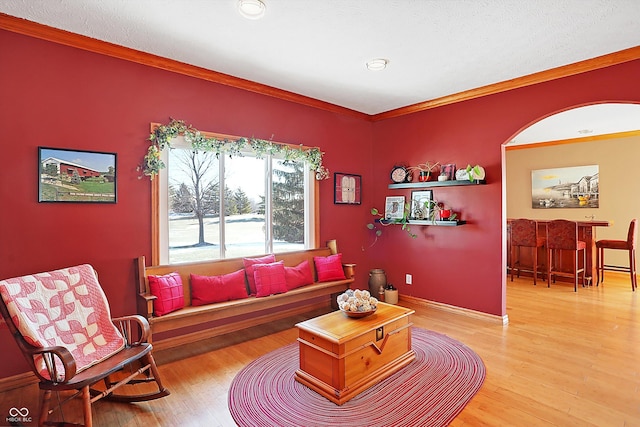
<point x="586" y="233"/>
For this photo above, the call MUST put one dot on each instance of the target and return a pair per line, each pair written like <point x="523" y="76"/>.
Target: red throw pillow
<point x="235" y="285"/>
<point x="168" y="291"/>
<point x="210" y="289"/>
<point x="248" y="266"/>
<point x="270" y="279"/>
<point x="299" y="275"/>
<point x="329" y="268"/>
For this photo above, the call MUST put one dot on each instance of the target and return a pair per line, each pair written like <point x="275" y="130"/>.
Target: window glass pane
<point x="268" y="206"/>
<point x="245" y="225"/>
<point x="194" y="201"/>
<point x="288" y="206"/>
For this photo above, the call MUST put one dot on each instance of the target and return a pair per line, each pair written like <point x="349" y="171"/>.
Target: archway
<point x="605" y="134"/>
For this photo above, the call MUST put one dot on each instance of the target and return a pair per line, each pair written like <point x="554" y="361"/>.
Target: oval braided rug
<point x="430" y="391"/>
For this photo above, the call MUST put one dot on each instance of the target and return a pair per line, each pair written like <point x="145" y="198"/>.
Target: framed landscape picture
<point x="569" y="187"/>
<point x="76" y="176"/>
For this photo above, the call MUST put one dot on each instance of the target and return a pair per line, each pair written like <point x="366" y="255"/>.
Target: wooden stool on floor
<point x="625" y="245"/>
<point x="562" y="235"/>
<point x="524" y="233"/>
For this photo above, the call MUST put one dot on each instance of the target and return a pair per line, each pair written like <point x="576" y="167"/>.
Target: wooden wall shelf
<point x="427" y="184"/>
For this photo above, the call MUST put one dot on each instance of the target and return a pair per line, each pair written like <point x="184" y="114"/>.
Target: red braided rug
<point x="430" y="391"/>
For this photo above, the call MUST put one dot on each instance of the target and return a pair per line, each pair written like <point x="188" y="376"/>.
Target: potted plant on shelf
<point x="472" y="173"/>
<point x="424" y="170"/>
<point x="438" y="211"/>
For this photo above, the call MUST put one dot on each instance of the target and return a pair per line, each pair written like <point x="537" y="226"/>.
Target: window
<point x="209" y="208"/>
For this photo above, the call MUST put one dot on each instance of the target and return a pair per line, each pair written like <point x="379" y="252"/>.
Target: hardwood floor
<point x="564" y="359"/>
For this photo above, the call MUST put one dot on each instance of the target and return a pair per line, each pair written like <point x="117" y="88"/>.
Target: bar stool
<point x="625" y="245"/>
<point x="524" y="233"/>
<point x="562" y="235"/>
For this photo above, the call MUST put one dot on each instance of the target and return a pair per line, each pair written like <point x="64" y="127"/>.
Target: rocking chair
<point x="62" y="323"/>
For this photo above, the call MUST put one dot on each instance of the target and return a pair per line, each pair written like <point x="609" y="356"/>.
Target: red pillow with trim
<point x="168" y="292"/>
<point x="248" y="266"/>
<point x="210" y="289"/>
<point x="329" y="267"/>
<point x="270" y="279"/>
<point x="299" y="275"/>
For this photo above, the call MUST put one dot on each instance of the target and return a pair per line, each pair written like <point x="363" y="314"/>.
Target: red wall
<point x="464" y="266"/>
<point x="57" y="96"/>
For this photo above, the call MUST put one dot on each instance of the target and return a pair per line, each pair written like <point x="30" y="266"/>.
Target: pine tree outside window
<point x="267" y="206"/>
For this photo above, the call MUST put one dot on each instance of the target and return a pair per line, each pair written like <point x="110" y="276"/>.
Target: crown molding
<point x="44" y="32"/>
<point x="596" y="63"/>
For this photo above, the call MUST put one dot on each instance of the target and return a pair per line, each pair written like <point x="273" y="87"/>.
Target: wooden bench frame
<point x="237" y="314"/>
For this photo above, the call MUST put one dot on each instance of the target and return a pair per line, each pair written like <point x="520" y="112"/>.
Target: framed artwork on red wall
<point x="347" y="189"/>
<point x="76" y="176"/>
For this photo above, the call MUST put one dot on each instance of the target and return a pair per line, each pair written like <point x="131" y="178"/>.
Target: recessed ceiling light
<point x="585" y="131"/>
<point x="377" y="64"/>
<point x="251" y="9"/>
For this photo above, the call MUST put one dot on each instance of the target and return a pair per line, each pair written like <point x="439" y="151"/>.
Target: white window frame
<point x="160" y="206"/>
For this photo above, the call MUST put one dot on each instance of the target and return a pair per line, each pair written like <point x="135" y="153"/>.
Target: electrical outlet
<point x="408" y="279"/>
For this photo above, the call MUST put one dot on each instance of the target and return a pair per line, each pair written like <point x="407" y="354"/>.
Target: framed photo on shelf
<point x="347" y="189"/>
<point x="418" y="208"/>
<point x="76" y="176"/>
<point x="394" y="207"/>
<point x="449" y="170"/>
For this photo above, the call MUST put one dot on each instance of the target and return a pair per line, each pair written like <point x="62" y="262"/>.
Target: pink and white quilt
<point x="65" y="308"/>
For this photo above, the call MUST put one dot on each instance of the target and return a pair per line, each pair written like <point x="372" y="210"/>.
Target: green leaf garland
<point x="162" y="135"/>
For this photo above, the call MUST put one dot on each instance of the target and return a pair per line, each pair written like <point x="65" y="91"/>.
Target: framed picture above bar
<point x="570" y="187"/>
<point x="76" y="176"/>
<point x="347" y="189"/>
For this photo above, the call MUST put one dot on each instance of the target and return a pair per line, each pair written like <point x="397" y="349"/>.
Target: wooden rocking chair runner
<point x="62" y="323"/>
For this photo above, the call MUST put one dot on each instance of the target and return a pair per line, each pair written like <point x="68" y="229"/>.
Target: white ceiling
<point x="582" y="122"/>
<point x="318" y="48"/>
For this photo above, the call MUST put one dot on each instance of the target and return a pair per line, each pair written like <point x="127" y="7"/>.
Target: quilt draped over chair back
<point x="65" y="308"/>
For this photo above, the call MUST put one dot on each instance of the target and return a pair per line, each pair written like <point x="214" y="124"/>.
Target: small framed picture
<point x="347" y="188"/>
<point x="420" y="208"/>
<point x="76" y="176"/>
<point x="449" y="170"/>
<point x="394" y="207"/>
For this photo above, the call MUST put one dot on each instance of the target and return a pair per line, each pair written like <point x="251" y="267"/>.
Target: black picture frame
<point x="347" y="189"/>
<point x="419" y="208"/>
<point x="76" y="176"/>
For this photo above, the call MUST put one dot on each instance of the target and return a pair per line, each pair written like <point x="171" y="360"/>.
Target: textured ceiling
<point x="319" y="48"/>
